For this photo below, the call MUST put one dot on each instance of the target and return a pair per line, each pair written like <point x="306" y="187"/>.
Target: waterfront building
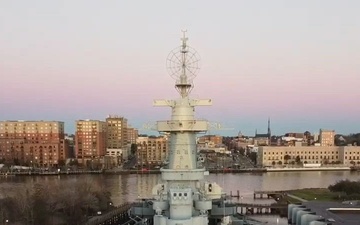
<point x="116" y="132"/>
<point x="152" y="150"/>
<point x="33" y="143"/>
<point x="113" y="157"/>
<point x="325" y="155"/>
<point x="126" y="152"/>
<point x="327" y="137"/>
<point x="132" y="135"/>
<point x="90" y="140"/>
<point x="114" y="152"/>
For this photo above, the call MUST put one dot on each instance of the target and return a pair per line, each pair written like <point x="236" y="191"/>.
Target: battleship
<point x="184" y="197"/>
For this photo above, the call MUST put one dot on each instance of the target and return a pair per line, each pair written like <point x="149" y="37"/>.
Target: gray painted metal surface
<point x="184" y="197"/>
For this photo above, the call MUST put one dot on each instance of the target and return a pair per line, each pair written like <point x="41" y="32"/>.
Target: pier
<point x="116" y="216"/>
<point x="250" y="208"/>
<point x="268" y="194"/>
<point x="120" y="214"/>
<point x="237" y="195"/>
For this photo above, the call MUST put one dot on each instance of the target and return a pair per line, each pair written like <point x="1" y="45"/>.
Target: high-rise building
<point x="132" y="135"/>
<point x="33" y="143"/>
<point x="327" y="137"/>
<point x="90" y="139"/>
<point x="116" y="132"/>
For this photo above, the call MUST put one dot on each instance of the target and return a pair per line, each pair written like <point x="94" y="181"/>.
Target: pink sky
<point x="295" y="62"/>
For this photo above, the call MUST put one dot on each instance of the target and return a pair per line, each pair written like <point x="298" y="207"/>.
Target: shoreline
<point x="296" y="169"/>
<point x="121" y="172"/>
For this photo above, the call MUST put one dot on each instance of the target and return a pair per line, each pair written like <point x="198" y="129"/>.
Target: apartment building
<point x="33" y="143"/>
<point x="116" y="132"/>
<point x="152" y="150"/>
<point x="346" y="155"/>
<point x="327" y="137"/>
<point x="90" y="140"/>
<point x="132" y="135"/>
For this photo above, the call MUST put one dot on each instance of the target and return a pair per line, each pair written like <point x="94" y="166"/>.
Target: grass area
<point x="315" y="194"/>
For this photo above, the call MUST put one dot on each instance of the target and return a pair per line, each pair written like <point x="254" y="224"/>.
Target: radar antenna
<point x="182" y="64"/>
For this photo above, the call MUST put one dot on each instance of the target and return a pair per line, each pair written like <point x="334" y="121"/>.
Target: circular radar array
<point x="183" y="60"/>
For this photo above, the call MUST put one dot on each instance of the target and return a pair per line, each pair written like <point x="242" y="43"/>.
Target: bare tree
<point x="71" y="202"/>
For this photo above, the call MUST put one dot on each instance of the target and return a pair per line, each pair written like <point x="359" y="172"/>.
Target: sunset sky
<point x="297" y="62"/>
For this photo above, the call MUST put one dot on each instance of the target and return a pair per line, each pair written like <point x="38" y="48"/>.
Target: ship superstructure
<point x="184" y="197"/>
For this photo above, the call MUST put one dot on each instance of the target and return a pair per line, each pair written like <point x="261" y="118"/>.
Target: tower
<point x="183" y="197"/>
<point x="269" y="130"/>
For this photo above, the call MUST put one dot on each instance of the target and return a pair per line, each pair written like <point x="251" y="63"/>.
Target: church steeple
<point x="269" y="130"/>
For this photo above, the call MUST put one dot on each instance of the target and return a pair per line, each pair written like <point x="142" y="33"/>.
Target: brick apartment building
<point x="90" y="140"/>
<point x="33" y="143"/>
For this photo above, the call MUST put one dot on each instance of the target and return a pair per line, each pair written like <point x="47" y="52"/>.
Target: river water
<point x="131" y="187"/>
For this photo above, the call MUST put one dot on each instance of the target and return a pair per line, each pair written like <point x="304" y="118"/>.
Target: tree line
<point x="66" y="202"/>
<point x="349" y="190"/>
<point x="351" y="139"/>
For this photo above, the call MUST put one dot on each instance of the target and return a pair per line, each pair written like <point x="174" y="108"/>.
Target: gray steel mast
<point x="184" y="197"/>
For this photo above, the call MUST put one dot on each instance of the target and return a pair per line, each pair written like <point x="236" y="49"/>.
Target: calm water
<point x="131" y="187"/>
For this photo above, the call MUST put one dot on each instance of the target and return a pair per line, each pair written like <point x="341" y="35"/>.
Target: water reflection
<point x="125" y="188"/>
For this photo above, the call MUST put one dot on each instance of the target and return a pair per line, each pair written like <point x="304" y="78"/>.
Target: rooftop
<point x="336" y="212"/>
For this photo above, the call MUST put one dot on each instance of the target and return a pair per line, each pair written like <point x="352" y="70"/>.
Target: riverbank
<point x="146" y="171"/>
<point x="289" y="169"/>
<point x="49" y="173"/>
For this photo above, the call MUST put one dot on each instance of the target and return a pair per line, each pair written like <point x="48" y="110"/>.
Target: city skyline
<point x="293" y="62"/>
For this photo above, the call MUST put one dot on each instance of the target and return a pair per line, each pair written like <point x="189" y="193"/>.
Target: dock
<point x="117" y="216"/>
<point x="267" y="194"/>
<point x="252" y="208"/>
